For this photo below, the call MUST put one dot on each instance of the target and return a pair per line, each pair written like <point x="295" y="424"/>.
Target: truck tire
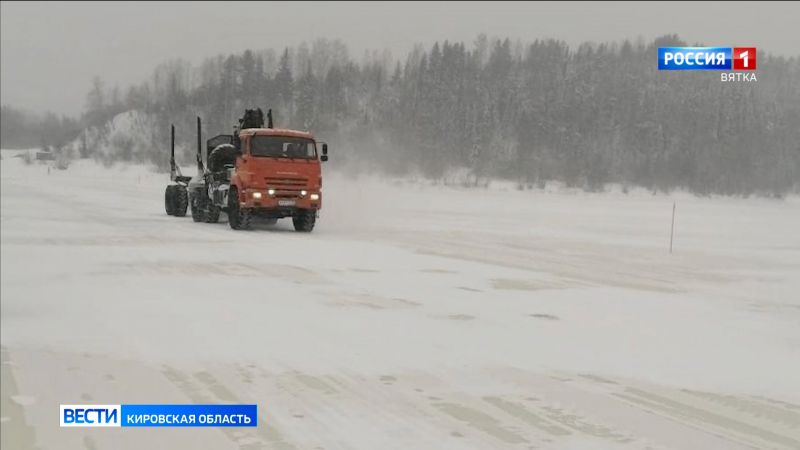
<point x="212" y="213"/>
<point x="181" y="202"/>
<point x="169" y="200"/>
<point x="304" y="221"/>
<point x="198" y="206"/>
<point x="238" y="218"/>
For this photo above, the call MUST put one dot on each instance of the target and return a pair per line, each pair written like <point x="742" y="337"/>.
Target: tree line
<point x="531" y="112"/>
<point x="23" y="129"/>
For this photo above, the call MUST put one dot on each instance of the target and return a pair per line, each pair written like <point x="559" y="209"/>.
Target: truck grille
<point x="284" y="183"/>
<point x="287" y="187"/>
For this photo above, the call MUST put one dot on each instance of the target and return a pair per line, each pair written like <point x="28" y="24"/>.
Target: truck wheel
<point x="181" y="198"/>
<point x="169" y="200"/>
<point x="304" y="221"/>
<point x="198" y="206"/>
<point x="238" y="218"/>
<point x="212" y="213"/>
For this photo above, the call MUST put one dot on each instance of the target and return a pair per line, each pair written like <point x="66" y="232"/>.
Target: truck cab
<point x="277" y="174"/>
<point x="260" y="173"/>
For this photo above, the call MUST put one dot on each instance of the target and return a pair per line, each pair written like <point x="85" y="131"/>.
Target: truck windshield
<point x="283" y="147"/>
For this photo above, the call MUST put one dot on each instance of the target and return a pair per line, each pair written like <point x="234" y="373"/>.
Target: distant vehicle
<point x="45" y="155"/>
<point x="267" y="173"/>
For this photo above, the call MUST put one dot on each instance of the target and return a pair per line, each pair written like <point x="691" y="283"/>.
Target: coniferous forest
<point x="531" y="112"/>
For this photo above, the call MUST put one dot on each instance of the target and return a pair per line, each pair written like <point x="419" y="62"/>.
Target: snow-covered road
<point x="413" y="317"/>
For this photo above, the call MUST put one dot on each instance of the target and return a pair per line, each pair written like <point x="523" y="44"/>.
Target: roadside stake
<point x="672" y="228"/>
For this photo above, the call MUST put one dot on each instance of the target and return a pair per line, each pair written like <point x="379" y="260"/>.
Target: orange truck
<point x="257" y="173"/>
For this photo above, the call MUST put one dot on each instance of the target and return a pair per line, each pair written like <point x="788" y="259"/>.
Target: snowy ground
<point x="412" y="318"/>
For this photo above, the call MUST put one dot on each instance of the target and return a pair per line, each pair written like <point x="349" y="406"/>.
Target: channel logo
<point x="90" y="415"/>
<point x="707" y="58"/>
<point x="159" y="415"/>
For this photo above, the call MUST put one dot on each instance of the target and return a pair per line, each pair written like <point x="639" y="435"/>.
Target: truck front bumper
<point x="280" y="201"/>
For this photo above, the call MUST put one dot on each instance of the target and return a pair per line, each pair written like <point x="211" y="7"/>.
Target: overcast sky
<point x="51" y="51"/>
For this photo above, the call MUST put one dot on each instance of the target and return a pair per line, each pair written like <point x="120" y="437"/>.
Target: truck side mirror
<point x="324" y="156"/>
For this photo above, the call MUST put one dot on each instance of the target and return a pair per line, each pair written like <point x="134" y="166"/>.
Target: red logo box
<point x="744" y="58"/>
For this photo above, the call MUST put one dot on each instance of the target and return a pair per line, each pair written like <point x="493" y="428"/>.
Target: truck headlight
<point x="314" y="197"/>
<point x="257" y="195"/>
<point x="271" y="192"/>
<point x="303" y="193"/>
